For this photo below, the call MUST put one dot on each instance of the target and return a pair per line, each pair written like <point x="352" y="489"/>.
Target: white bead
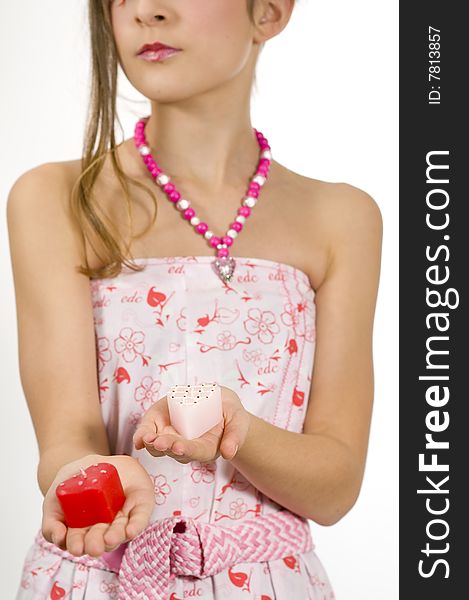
<point x="266" y="154"/>
<point x="240" y="219"/>
<point x="195" y="221"/>
<point x="144" y="150"/>
<point x="259" y="179"/>
<point x="162" y="179"/>
<point x="182" y="204"/>
<point x="208" y="234"/>
<point x="250" y="201"/>
<point x="232" y="233"/>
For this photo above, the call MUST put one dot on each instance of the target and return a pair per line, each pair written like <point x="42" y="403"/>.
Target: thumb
<point x="138" y="510"/>
<point x="53" y="528"/>
<point x="234" y="434"/>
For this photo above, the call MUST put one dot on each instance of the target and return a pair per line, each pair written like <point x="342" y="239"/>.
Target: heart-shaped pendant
<point x="224" y="267"/>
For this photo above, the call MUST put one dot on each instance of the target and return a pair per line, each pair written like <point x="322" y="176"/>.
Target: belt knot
<point x="180" y="546"/>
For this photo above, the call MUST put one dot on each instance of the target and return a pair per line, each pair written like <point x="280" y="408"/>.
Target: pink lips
<point x="157" y="55"/>
<point x="156" y="51"/>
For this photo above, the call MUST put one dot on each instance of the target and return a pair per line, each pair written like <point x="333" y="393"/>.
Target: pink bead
<point x="214" y="241"/>
<point x="236" y="225"/>
<point x="201" y="227"/>
<point x="169" y="187"/>
<point x="147" y="159"/>
<point x="254" y="185"/>
<point x="253" y="193"/>
<point x="174" y="196"/>
<point x="226" y="239"/>
<point x="245" y="211"/>
<point x="264" y="161"/>
<point x="189" y="213"/>
<point x="262" y="171"/>
<point x="222" y="252"/>
<point x="155" y="172"/>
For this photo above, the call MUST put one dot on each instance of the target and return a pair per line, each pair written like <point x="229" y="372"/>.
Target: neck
<point x="208" y="144"/>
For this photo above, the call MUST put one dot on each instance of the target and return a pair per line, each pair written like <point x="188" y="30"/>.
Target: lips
<point x="155" y="47"/>
<point x="158" y="56"/>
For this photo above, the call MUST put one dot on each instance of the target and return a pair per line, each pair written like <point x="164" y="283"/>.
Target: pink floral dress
<point x="176" y="322"/>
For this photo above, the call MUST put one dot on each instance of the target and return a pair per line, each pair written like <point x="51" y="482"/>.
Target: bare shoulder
<point x="347" y="211"/>
<point x="57" y="174"/>
<point x="354" y="225"/>
<point x="330" y="217"/>
<point x="52" y="182"/>
<point x="352" y="228"/>
<point x="39" y="214"/>
<point x="339" y="206"/>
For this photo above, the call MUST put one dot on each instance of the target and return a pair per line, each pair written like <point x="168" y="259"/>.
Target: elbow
<point x="339" y="502"/>
<point x="331" y="517"/>
<point x="333" y="513"/>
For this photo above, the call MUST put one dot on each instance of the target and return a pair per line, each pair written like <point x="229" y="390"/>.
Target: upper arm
<point x="342" y="386"/>
<point x="56" y="340"/>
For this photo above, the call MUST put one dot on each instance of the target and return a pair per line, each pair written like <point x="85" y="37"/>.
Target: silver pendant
<point x="224" y="267"/>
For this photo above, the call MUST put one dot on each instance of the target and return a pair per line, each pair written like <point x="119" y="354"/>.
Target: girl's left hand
<point x="156" y="434"/>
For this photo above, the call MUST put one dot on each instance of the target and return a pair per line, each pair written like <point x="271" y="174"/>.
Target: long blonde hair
<point x="99" y="139"/>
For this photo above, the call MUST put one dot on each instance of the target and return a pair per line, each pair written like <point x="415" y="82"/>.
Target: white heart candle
<point x="194" y="409"/>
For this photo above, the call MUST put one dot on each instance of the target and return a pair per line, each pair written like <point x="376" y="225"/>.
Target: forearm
<point x="56" y="457"/>
<point x="313" y="475"/>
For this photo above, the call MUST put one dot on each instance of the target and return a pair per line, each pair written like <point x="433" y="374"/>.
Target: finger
<point x="148" y="427"/>
<point x="139" y="509"/>
<point x="200" y="449"/>
<point x="235" y="428"/>
<point x="145" y="433"/>
<point x="115" y="535"/>
<point x="75" y="540"/>
<point x="93" y="543"/>
<point x="165" y="441"/>
<point x="157" y="414"/>
<point x="54" y="529"/>
<point x="151" y="450"/>
<point x="155" y="420"/>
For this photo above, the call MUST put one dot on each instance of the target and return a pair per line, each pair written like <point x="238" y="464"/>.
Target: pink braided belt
<point x="147" y="564"/>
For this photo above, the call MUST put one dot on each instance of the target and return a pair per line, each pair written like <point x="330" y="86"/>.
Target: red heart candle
<point x="95" y="495"/>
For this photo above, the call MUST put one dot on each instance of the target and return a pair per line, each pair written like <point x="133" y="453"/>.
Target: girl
<point x="136" y="303"/>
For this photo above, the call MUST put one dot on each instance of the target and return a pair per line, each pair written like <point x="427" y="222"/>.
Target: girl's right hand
<point x="129" y="522"/>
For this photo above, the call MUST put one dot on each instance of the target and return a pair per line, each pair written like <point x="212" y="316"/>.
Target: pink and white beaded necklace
<point x="224" y="264"/>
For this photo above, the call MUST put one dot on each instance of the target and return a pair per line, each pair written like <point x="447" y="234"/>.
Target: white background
<point x="327" y="100"/>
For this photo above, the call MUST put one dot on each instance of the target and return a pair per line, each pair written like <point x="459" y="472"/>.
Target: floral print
<point x="147" y="393"/>
<point x="176" y="322"/>
<point x="261" y="324"/>
<point x="204" y="472"/>
<point x="130" y="344"/>
<point x="162" y="489"/>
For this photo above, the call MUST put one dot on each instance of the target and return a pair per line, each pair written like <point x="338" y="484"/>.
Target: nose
<point x="149" y="12"/>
